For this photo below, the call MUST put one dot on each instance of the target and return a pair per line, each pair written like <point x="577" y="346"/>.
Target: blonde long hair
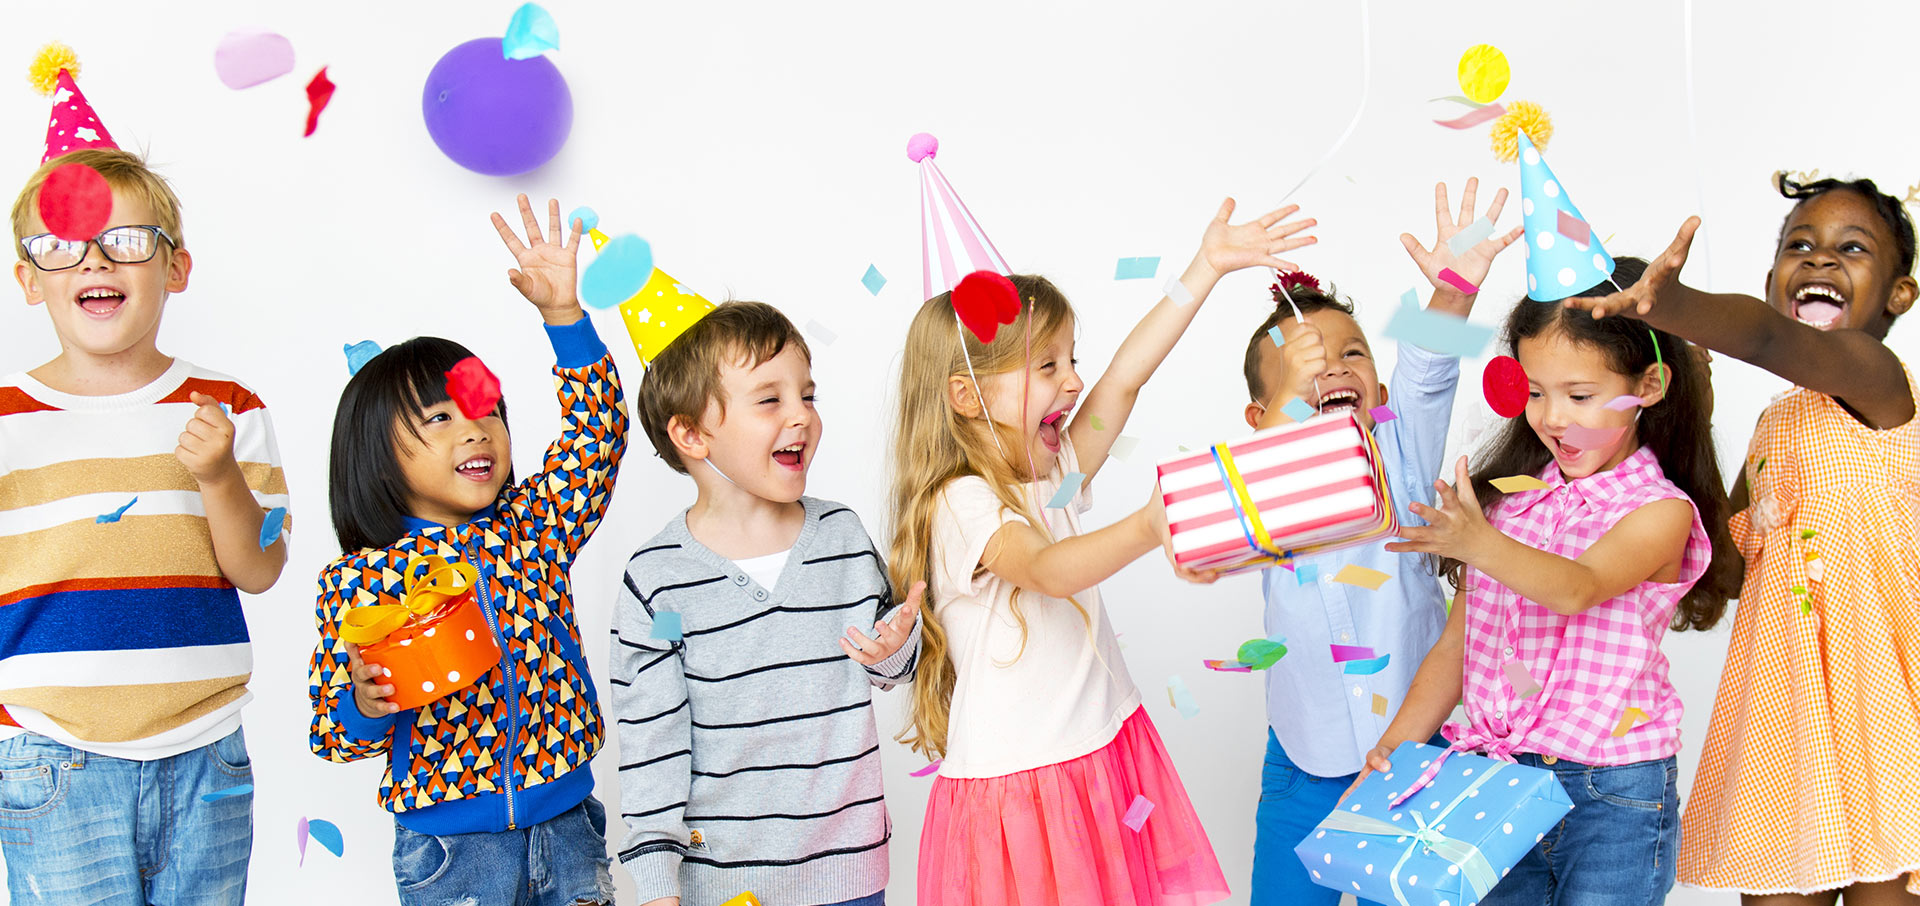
<point x="936" y="444"/>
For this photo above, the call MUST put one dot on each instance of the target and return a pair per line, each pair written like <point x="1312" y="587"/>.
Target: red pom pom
<point x="75" y="202"/>
<point x="473" y="388"/>
<point x="1505" y="384"/>
<point x="985" y="300"/>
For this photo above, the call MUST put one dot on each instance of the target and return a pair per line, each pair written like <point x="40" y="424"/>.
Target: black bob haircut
<point x="1892" y="211"/>
<point x="365" y="488"/>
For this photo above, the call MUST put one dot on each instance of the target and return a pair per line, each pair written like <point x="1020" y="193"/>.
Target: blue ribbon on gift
<point x="1223" y="460"/>
<point x="1472" y="863"/>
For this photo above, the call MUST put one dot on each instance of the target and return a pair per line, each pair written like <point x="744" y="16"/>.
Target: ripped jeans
<point x="558" y="862"/>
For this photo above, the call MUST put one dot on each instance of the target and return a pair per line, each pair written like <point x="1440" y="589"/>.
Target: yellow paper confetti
<point x="1484" y="73"/>
<point x="1355" y="574"/>
<point x="1633" y="717"/>
<point x="1514" y="484"/>
<point x="1380" y="705"/>
<point x="745" y="899"/>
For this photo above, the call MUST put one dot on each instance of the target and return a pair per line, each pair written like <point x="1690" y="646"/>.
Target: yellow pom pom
<point x="1521" y="116"/>
<point x="45" y="71"/>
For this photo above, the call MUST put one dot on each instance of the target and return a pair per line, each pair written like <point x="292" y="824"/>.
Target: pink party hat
<point x="73" y="124"/>
<point x="947" y="228"/>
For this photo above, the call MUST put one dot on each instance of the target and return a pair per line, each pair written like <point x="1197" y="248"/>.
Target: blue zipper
<point x="513" y="692"/>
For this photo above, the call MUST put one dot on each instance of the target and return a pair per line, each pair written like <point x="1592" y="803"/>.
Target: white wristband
<point x="1178" y="291"/>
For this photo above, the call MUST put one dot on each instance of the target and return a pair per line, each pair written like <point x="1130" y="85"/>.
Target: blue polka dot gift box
<point x="1446" y="845"/>
<point x="1564" y="257"/>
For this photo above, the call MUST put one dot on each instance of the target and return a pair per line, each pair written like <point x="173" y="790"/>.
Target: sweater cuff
<point x="359" y="726"/>
<point x="899" y="664"/>
<point x="576" y="345"/>
<point x="655" y="874"/>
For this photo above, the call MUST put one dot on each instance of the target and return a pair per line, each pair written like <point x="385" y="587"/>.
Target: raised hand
<point x="206" y="444"/>
<point x="892" y="632"/>
<point x="1454" y="530"/>
<point x="1640" y="298"/>
<point x="546" y="262"/>
<point x="1227" y="247"/>
<point x="1478" y="260"/>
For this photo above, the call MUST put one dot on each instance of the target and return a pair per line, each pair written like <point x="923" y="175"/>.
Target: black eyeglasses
<point x="121" y="245"/>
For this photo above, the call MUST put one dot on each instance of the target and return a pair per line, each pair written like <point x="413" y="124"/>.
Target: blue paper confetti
<point x="588" y="217"/>
<point x="1136" y="268"/>
<point x="327" y="835"/>
<point x="1274" y="334"/>
<point x="1441" y="333"/>
<point x="873" y="280"/>
<point x="622" y="267"/>
<point x="272" y="526"/>
<point x="530" y="33"/>
<point x="666" y="626"/>
<point x="1306" y="573"/>
<point x="1367" y="667"/>
<point x="1182" y="697"/>
<point x="240" y="790"/>
<point x="116" y="514"/>
<point x="1069" y="486"/>
<point x="1298" y="410"/>
<point x="359" y="354"/>
<point x="1474" y="234"/>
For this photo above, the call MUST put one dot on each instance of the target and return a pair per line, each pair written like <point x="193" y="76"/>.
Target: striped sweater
<point x="513" y="749"/>
<point x="118" y="634"/>
<point x="749" y="756"/>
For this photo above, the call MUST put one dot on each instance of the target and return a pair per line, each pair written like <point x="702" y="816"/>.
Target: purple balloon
<point x="493" y="115"/>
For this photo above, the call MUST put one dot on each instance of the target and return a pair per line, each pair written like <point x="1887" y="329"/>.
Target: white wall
<point x="760" y="148"/>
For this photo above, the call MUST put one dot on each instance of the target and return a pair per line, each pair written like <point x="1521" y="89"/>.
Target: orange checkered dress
<point x="1810" y="779"/>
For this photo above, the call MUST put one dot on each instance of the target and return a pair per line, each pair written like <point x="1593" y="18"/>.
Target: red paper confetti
<point x="985" y="300"/>
<point x="319" y="92"/>
<point x="75" y="202"/>
<point x="1505" y="384"/>
<point x="473" y="388"/>
<point x="1573" y="228"/>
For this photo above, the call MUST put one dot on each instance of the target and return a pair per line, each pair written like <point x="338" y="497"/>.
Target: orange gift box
<point x="432" y="644"/>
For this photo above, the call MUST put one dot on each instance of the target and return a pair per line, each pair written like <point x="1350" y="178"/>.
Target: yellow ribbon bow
<point x="442" y="582"/>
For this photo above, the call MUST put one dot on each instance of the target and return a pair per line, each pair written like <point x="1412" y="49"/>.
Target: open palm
<point x="1473" y="265"/>
<point x="545" y="274"/>
<point x="1228" y="247"/>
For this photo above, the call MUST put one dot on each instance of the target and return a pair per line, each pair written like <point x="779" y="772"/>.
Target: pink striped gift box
<point x="1313" y="486"/>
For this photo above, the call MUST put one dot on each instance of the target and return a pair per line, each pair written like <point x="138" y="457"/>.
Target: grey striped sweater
<point x="749" y="758"/>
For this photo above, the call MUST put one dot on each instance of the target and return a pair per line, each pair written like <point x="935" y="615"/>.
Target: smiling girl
<point x="1020" y="685"/>
<point x="1820" y="673"/>
<point x="1567" y="588"/>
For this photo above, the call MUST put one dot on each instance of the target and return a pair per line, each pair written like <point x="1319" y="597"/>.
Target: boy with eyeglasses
<point x="137" y="492"/>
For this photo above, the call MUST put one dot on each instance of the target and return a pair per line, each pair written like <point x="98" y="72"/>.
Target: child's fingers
<point x="1225" y="212"/>
<point x="858" y="655"/>
<point x="1467" y="198"/>
<point x="1291" y="227"/>
<point x="1499" y="204"/>
<point x="353" y="655"/>
<point x="553" y="221"/>
<point x="1276" y="215"/>
<point x="573" y="240"/>
<point x="528" y="221"/>
<point x="507" y="235"/>
<point x="1442" y="212"/>
<point x="1415" y="250"/>
<point x="1499" y="243"/>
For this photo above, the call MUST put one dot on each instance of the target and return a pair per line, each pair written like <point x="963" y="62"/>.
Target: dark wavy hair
<point x="1310" y="299"/>
<point x="365" y="488"/>
<point x="1892" y="211"/>
<point x="1678" y="430"/>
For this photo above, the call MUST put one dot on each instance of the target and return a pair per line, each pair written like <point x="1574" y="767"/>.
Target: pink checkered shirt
<point x="1591" y="668"/>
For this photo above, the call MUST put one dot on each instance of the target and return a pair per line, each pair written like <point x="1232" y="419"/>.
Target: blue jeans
<point x="878" y="899"/>
<point x="558" y="862"/>
<point x="1292" y="803"/>
<point x="1616" y="848"/>
<point x="80" y="828"/>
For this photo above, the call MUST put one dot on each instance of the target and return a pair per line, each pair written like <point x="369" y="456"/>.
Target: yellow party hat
<point x="659" y="313"/>
<point x="599" y="239"/>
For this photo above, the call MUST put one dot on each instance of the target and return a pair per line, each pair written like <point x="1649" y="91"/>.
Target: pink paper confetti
<point x="1456" y="281"/>
<point x="1342" y="653"/>
<point x="1624" y="402"/>
<point x="1474" y="117"/>
<point x="1592" y="438"/>
<point x="1227" y="666"/>
<point x="249" y="57"/>
<point x="935" y="766"/>
<point x="1575" y="229"/>
<point x="1524" y="685"/>
<point x="1381" y="415"/>
<point x="1137" y="812"/>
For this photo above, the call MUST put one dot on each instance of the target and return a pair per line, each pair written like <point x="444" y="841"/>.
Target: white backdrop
<point x="760" y="147"/>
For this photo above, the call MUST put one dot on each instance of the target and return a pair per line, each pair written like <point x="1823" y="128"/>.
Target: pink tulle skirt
<point x="1055" y="834"/>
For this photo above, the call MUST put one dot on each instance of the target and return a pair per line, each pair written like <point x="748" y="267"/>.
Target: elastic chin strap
<point x="1301" y="320"/>
<point x="977" y="392"/>
<point x="716" y="471"/>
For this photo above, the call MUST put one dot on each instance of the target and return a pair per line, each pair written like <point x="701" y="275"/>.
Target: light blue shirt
<point x="1323" y="717"/>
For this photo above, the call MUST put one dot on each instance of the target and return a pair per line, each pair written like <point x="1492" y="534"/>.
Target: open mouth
<point x="1339" y="400"/>
<point x="1566" y="452"/>
<point x="479" y="468"/>
<point x="1819" y="305"/>
<point x="1050" y="430"/>
<point x="791" y="456"/>
<point x="100" y="301"/>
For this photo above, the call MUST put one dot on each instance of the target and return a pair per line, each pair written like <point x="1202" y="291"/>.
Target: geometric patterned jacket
<point x="511" y="750"/>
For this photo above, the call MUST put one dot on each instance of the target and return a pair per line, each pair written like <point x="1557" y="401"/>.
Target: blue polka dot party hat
<point x="1564" y="257"/>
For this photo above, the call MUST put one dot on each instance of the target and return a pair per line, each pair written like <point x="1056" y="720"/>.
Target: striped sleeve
<point x="339" y="731"/>
<point x="655" y="727"/>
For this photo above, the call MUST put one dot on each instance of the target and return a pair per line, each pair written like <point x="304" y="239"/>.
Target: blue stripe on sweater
<point x="121" y="620"/>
